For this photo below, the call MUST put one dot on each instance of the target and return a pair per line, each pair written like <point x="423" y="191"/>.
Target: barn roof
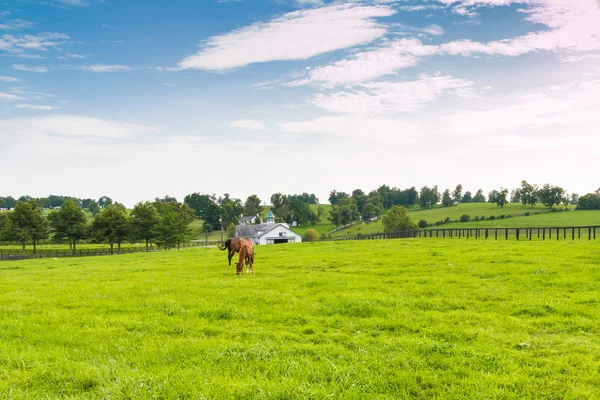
<point x="247" y="231"/>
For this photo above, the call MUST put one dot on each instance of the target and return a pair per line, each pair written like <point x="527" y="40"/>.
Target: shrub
<point x="422" y="223"/>
<point x="465" y="218"/>
<point x="492" y="217"/>
<point x="502" y="216"/>
<point x="482" y="218"/>
<point x="447" y="220"/>
<point x="526" y="214"/>
<point x="311" y="235"/>
<point x="476" y="218"/>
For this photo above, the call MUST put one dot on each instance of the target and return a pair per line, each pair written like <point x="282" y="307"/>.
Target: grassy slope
<point x="546" y="218"/>
<point x="391" y="319"/>
<point x="571" y="218"/>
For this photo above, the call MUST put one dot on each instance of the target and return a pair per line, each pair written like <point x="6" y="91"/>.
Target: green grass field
<point x="423" y="319"/>
<point x="571" y="218"/>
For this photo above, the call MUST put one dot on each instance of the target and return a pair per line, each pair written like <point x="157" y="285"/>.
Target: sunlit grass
<point x="379" y="319"/>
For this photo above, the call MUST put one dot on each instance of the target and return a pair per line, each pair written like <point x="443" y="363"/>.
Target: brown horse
<point x="233" y="246"/>
<point x="247" y="255"/>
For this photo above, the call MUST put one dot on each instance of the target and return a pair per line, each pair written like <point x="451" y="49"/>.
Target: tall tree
<point x="69" y="223"/>
<point x="468" y="197"/>
<point x="446" y="198"/>
<point x="27" y="224"/>
<point x="252" y="205"/>
<point x="500" y="197"/>
<point x="335" y="197"/>
<point x="200" y="203"/>
<point x="551" y="195"/>
<point x="528" y="193"/>
<point x="144" y="218"/>
<point x="104" y="201"/>
<point x="370" y="211"/>
<point x="111" y="225"/>
<point x="428" y="197"/>
<point x="457" y="194"/>
<point x="479" y="197"/>
<point x="397" y="219"/>
<point x="359" y="198"/>
<point x="174" y="224"/>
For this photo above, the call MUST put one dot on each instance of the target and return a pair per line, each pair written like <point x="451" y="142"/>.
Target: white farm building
<point x="268" y="233"/>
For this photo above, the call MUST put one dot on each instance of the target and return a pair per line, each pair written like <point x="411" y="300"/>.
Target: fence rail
<point x="18" y="254"/>
<point x="547" y="233"/>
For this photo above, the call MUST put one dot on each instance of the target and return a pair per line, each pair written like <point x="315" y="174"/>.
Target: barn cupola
<point x="270" y="218"/>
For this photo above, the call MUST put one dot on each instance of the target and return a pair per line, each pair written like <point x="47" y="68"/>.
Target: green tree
<point x="479" y="197"/>
<point x="26" y="223"/>
<point x="252" y="205"/>
<point x="370" y="211"/>
<point x="311" y="235"/>
<point x="397" y="219"/>
<point x="590" y="201"/>
<point x="499" y="197"/>
<point x="467" y="197"/>
<point x="528" y="193"/>
<point x="551" y="195"/>
<point x="360" y="198"/>
<point x="69" y="223"/>
<point x="111" y="225"/>
<point x="230" y="232"/>
<point x="428" y="197"/>
<point x="457" y="194"/>
<point x="446" y="198"/>
<point x="335" y="197"/>
<point x="144" y="218"/>
<point x="173" y="226"/>
<point x="104" y="201"/>
<point x="200" y="203"/>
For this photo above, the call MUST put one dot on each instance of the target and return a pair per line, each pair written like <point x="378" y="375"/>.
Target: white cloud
<point x="36" y="107"/>
<point x="30" y="56"/>
<point x="71" y="56"/>
<point x="249" y="124"/>
<point x="573" y="29"/>
<point x="9" y="97"/>
<point x="28" y="68"/>
<point x="105" y="68"/>
<point x="394" y="97"/>
<point x="9" y="79"/>
<point x="40" y="42"/>
<point x="368" y="65"/>
<point x="14" y="24"/>
<point x="294" y="36"/>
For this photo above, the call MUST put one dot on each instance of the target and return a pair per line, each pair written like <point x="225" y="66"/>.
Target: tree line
<point x="166" y="223"/>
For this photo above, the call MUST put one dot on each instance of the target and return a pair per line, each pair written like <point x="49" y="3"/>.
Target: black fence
<point x="18" y="254"/>
<point x="553" y="233"/>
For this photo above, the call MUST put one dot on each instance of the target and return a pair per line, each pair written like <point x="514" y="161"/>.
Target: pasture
<point x="425" y="319"/>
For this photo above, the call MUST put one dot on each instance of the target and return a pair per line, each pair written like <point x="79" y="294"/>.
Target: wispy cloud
<point x="15" y="24"/>
<point x="27" y="68"/>
<point x="37" y="107"/>
<point x="9" y="79"/>
<point x="394" y="97"/>
<point x="39" y="42"/>
<point x="105" y="68"/>
<point x="71" y="56"/>
<point x="294" y="36"/>
<point x="249" y="124"/>
<point x="9" y="97"/>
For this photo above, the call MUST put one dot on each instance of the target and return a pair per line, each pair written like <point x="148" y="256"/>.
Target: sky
<point x="138" y="99"/>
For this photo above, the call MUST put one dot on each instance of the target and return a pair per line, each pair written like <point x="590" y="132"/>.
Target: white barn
<point x="268" y="233"/>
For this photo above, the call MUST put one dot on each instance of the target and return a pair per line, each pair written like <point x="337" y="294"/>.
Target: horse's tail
<point x="227" y="242"/>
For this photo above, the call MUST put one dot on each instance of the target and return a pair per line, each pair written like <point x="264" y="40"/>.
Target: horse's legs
<point x="230" y="256"/>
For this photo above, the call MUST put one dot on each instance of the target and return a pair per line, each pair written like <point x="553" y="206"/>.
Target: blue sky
<point x="138" y="99"/>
